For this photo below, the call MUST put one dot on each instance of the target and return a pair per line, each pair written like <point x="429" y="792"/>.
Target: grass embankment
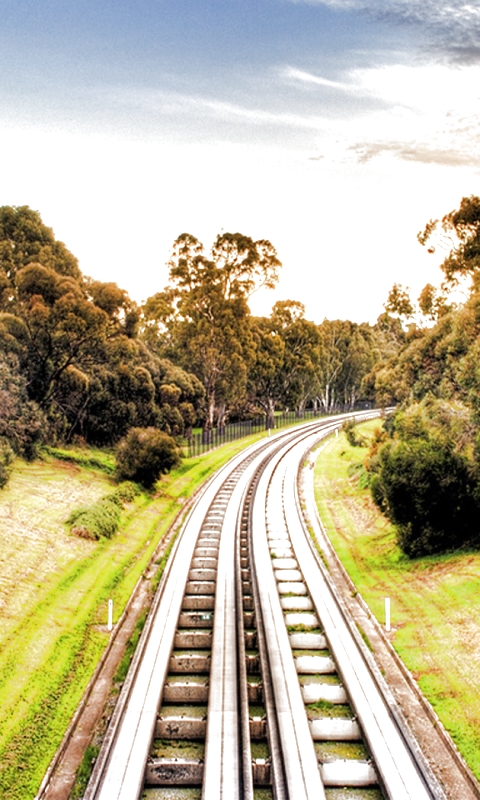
<point x="54" y="591"/>
<point x="435" y="600"/>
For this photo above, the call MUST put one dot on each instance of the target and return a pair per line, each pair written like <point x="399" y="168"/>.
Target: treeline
<point x="79" y="360"/>
<point x="425" y="466"/>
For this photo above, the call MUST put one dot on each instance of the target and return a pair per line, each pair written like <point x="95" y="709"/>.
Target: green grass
<point x="84" y="457"/>
<point x="435" y="601"/>
<point x="54" y="592"/>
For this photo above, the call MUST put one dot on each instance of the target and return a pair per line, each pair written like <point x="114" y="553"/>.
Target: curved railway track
<point x="248" y="676"/>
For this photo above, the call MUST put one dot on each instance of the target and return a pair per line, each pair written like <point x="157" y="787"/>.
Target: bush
<point x="101" y="519"/>
<point x="127" y="492"/>
<point x="425" y="479"/>
<point x="6" y="462"/>
<point x="354" y="438"/>
<point x="144" y="454"/>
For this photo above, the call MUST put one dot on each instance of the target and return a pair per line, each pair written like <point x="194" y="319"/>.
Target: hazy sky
<point x="334" y="128"/>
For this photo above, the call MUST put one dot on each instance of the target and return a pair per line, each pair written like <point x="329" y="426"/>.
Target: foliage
<point x="127" y="491"/>
<point x="75" y="343"/>
<point x="6" y="461"/>
<point x="459" y="233"/>
<point x="21" y="421"/>
<point x="100" y="520"/>
<point x="201" y="320"/>
<point x="144" y="454"/>
<point x="426" y="478"/>
<point x="354" y="437"/>
<point x="84" y="457"/>
<point x="398" y="302"/>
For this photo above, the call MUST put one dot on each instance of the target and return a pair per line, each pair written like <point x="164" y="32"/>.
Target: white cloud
<point x="423" y="112"/>
<point x="300" y="76"/>
<point x="425" y="87"/>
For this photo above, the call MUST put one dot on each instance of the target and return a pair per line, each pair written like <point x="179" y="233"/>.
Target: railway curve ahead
<point x="248" y="677"/>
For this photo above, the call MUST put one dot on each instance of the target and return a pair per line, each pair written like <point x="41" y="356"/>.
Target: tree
<point x="265" y="376"/>
<point x="201" y="320"/>
<point x="24" y="239"/>
<point x="22" y="424"/>
<point x="458" y="233"/>
<point x="301" y="354"/>
<point x="399" y="302"/>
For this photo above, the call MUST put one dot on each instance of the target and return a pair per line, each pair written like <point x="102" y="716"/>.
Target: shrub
<point x="127" y="492"/>
<point x="101" y="519"/>
<point x="144" y="454"/>
<point x="354" y="438"/>
<point x="6" y="462"/>
<point x="425" y="479"/>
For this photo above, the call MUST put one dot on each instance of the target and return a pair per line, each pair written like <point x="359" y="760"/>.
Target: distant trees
<point x="83" y="361"/>
<point x="202" y="321"/>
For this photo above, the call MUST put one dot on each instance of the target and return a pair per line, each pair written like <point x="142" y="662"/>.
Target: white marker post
<point x="110" y="615"/>
<point x="387" y="613"/>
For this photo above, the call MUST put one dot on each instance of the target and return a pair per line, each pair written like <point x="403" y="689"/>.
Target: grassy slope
<point x="435" y="601"/>
<point x="54" y="590"/>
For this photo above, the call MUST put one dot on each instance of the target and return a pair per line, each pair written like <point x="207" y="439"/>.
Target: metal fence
<point x="196" y="444"/>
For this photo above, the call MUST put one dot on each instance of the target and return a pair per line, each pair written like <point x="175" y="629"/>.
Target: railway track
<point x="249" y="681"/>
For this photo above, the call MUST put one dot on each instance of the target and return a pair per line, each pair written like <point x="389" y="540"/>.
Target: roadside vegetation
<point x="55" y="587"/>
<point x="434" y="599"/>
<point x="427" y="467"/>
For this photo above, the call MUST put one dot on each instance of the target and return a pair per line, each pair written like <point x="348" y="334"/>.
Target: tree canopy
<point x="72" y="344"/>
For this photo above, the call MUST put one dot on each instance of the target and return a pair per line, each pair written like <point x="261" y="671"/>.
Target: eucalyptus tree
<point x="457" y="234"/>
<point x="202" y="320"/>
<point x="74" y="341"/>
<point x="301" y="358"/>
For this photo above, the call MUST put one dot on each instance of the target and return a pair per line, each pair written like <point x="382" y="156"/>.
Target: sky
<point x="334" y="128"/>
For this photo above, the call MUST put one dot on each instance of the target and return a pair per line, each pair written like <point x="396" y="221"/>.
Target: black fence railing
<point x="197" y="444"/>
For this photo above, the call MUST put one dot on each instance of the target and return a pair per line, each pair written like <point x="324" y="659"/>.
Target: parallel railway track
<point x="248" y="679"/>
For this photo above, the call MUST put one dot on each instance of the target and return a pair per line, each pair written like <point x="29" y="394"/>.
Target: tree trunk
<point x="301" y="409"/>
<point x="270" y="417"/>
<point x="221" y="415"/>
<point x="207" y="433"/>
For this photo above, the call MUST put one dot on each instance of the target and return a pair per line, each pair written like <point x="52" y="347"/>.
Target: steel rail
<point x="223" y="771"/>
<point x="391" y="745"/>
<point x="302" y="777"/>
<point x="119" y="773"/>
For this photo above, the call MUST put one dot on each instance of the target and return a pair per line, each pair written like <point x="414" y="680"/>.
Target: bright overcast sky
<point x="334" y="128"/>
